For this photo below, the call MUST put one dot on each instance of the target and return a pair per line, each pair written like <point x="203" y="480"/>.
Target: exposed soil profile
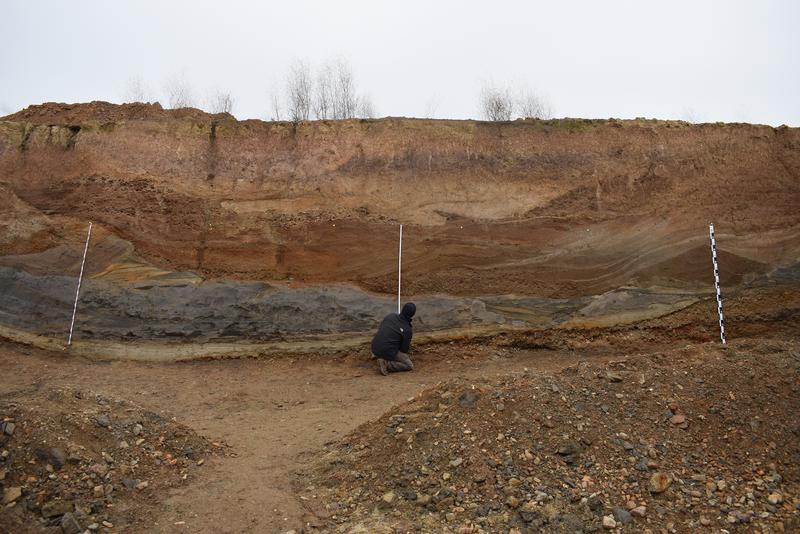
<point x="569" y="375"/>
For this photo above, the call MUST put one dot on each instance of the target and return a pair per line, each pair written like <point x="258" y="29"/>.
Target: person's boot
<point x="382" y="367"/>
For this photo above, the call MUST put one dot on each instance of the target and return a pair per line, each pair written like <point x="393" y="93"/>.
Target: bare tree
<point x="322" y="104"/>
<point x="496" y="104"/>
<point x="137" y="91"/>
<point x="275" y="106"/>
<point x="503" y="104"/>
<point x="344" y="92"/>
<point x="179" y="94"/>
<point x="532" y="106"/>
<point x="365" y="108"/>
<point x="432" y="106"/>
<point x="220" y="102"/>
<point x="298" y="92"/>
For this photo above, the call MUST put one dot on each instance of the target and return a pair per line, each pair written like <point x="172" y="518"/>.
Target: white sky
<point x="696" y="60"/>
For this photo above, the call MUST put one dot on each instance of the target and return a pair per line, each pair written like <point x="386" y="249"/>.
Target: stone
<point x="389" y="497"/>
<point x="621" y="515"/>
<point x="639" y="511"/>
<point x="8" y="428"/>
<point x="423" y="499"/>
<point x="137" y="429"/>
<point x="608" y="522"/>
<point x="456" y="462"/>
<point x="2" y="474"/>
<point x="677" y="419"/>
<point x="98" y="469"/>
<point x="468" y="398"/>
<point x="56" y="508"/>
<point x="595" y="503"/>
<point x="102" y="420"/>
<point x="512" y="501"/>
<point x="58" y="457"/>
<point x="129" y="483"/>
<point x="704" y="521"/>
<point x="70" y="525"/>
<point x="11" y="494"/>
<point x="569" y="448"/>
<point x="613" y="377"/>
<point x="721" y="485"/>
<point x="775" y="498"/>
<point x="142" y="485"/>
<point x="54" y="456"/>
<point x="99" y="492"/>
<point x="659" y="482"/>
<point x="540" y="496"/>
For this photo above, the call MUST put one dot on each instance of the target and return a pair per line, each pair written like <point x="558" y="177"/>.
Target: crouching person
<point x="391" y="345"/>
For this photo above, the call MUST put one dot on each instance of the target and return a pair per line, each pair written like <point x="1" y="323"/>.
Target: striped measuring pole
<point x="716" y="283"/>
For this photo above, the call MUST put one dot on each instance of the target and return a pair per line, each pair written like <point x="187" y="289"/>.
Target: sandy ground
<point x="273" y="414"/>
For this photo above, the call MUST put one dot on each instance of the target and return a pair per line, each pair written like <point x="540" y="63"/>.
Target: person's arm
<point x="405" y="346"/>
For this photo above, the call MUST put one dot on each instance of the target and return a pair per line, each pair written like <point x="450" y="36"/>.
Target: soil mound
<point x="673" y="441"/>
<point x="61" y="113"/>
<point x="78" y="460"/>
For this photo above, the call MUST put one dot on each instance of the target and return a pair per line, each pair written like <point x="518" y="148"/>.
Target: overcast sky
<point x="695" y="60"/>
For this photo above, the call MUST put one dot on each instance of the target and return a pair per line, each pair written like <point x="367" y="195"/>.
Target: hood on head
<point x="409" y="309"/>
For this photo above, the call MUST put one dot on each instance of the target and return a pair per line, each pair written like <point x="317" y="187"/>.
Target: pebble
<point x="659" y="482"/>
<point x="639" y="511"/>
<point x="456" y="462"/>
<point x="99" y="492"/>
<point x="56" y="508"/>
<point x="11" y="494"/>
<point x="389" y="497"/>
<point x="677" y="419"/>
<point x="8" y="428"/>
<point x="70" y="525"/>
<point x="621" y="515"/>
<point x="102" y="420"/>
<point x="568" y="449"/>
<point x="98" y="469"/>
<point x="142" y="485"/>
<point x="137" y="429"/>
<point x="775" y="498"/>
<point x="468" y="399"/>
<point x="608" y="522"/>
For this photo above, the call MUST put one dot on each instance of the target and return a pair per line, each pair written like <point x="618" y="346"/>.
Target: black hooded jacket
<point x="393" y="336"/>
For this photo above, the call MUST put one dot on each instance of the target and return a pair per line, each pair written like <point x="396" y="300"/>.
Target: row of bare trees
<point x="506" y="103"/>
<point x="179" y="94"/>
<point x="330" y="93"/>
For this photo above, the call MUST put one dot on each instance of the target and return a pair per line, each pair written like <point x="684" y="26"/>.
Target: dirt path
<point x="270" y="412"/>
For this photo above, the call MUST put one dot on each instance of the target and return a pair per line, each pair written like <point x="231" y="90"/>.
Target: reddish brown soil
<point x="546" y="208"/>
